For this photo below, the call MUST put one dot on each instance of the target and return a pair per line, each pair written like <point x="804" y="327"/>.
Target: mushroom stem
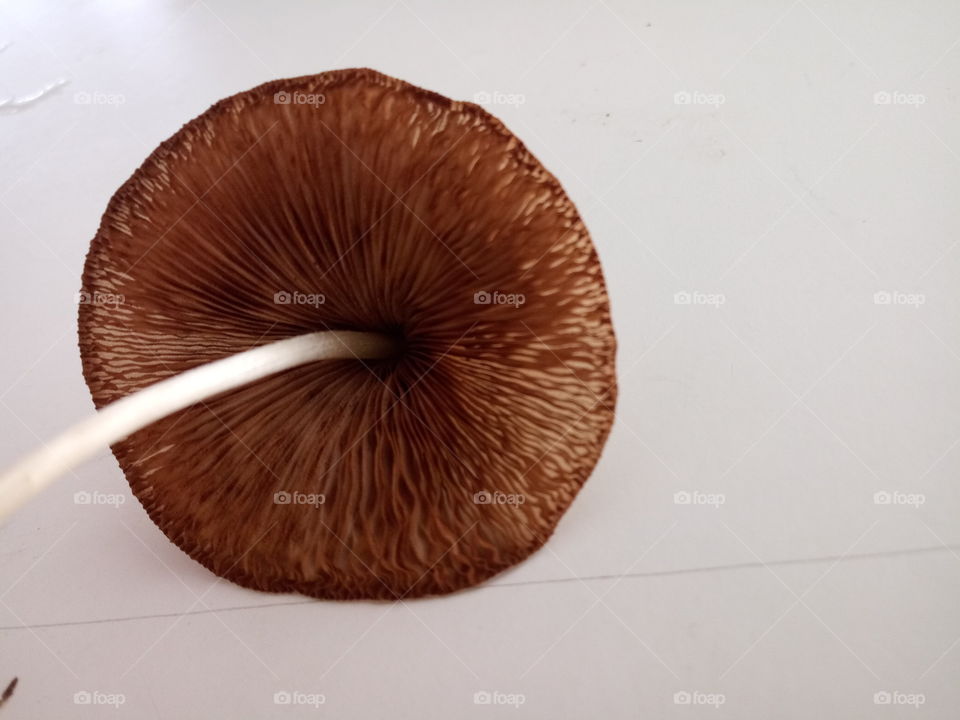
<point x="137" y="410"/>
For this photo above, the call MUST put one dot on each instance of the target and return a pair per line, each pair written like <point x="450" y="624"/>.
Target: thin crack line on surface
<point x="521" y="583"/>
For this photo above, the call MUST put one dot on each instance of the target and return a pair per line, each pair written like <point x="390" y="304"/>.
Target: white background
<point x="794" y="401"/>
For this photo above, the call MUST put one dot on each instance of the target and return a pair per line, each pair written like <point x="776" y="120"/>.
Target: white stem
<point x="127" y="415"/>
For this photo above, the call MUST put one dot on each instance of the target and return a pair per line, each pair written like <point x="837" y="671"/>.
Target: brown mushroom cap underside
<point x="375" y="205"/>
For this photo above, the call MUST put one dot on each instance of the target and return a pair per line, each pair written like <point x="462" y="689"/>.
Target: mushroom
<point x="473" y="385"/>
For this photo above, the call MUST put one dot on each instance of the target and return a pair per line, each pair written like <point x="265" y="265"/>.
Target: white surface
<point x="798" y="399"/>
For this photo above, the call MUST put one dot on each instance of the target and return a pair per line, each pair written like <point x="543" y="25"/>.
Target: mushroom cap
<point x="351" y="200"/>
